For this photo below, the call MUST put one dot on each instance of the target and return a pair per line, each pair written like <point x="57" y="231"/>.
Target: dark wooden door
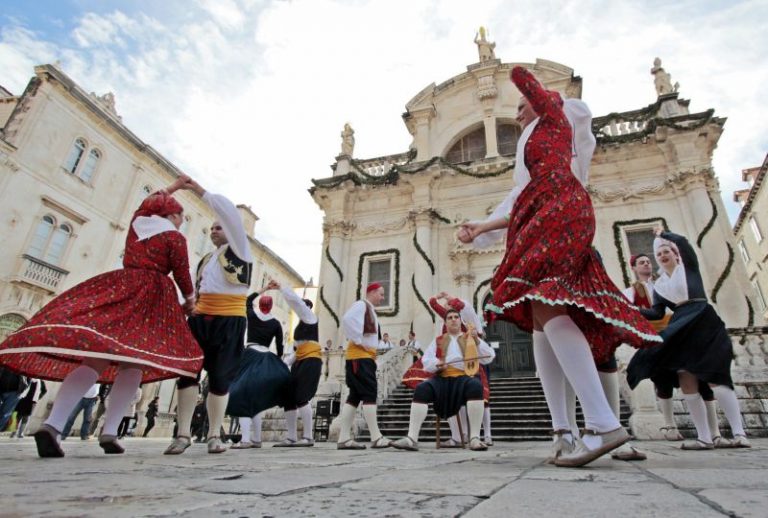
<point x="514" y="357"/>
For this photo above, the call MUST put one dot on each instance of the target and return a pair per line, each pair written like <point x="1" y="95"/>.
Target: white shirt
<point x="229" y="218"/>
<point x="352" y="324"/>
<point x="385" y="345"/>
<point x="299" y="306"/>
<point x="92" y="392"/>
<point x="414" y="346"/>
<point x="453" y="354"/>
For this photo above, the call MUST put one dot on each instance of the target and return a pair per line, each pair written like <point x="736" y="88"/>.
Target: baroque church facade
<point x="393" y="219"/>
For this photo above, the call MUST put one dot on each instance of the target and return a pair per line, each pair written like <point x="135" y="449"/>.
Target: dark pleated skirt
<point x="262" y="382"/>
<point x="695" y="341"/>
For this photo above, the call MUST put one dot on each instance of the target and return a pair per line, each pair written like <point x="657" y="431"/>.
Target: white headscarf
<point x="580" y="117"/>
<point x="146" y="227"/>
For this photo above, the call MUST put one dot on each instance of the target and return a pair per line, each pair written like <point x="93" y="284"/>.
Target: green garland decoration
<point x="477" y="291"/>
<point x="359" y="176"/>
<point x="701" y="119"/>
<point x="333" y="263"/>
<point x="360" y="262"/>
<point x="436" y="215"/>
<point x="724" y="275"/>
<point x="423" y="254"/>
<point x="617" y="242"/>
<point x="328" y="307"/>
<point x="421" y="299"/>
<point x="750" y="312"/>
<point x="710" y="223"/>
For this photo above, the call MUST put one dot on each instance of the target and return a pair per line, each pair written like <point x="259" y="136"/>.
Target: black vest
<point x="306" y="331"/>
<point x="235" y="269"/>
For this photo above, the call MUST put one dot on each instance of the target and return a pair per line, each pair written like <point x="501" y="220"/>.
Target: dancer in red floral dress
<point x="551" y="281"/>
<point x="122" y="327"/>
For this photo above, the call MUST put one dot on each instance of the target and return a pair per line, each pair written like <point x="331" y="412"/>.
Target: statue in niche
<point x="347" y="140"/>
<point x="662" y="80"/>
<point x="484" y="47"/>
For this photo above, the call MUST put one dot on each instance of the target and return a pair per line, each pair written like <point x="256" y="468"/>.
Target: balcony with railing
<point x="39" y="273"/>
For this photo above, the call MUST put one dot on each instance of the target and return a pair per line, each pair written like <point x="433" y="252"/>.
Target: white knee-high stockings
<point x="306" y="420"/>
<point x="418" y="414"/>
<point x="345" y="421"/>
<point x="185" y="407"/>
<point x="575" y="358"/>
<point x="726" y="397"/>
<point x="120" y="397"/>
<point x="552" y="380"/>
<point x="698" y="413"/>
<point x="216" y="406"/>
<point x="72" y="389"/>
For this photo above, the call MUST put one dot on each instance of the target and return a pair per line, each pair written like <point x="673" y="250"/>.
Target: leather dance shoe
<point x="47" y="443"/>
<point x="110" y="445"/>
<point x="583" y="455"/>
<point x="406" y="443"/>
<point x="178" y="445"/>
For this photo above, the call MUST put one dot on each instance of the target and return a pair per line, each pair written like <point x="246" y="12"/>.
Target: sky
<point x="249" y="97"/>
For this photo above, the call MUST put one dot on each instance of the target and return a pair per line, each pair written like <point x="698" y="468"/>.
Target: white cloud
<point x="250" y="96"/>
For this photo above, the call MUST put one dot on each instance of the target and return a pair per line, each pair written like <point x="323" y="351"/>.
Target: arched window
<point x="42" y="236"/>
<point x="58" y="244"/>
<point x="506" y="138"/>
<point x="9" y="323"/>
<point x="49" y="241"/>
<point x="86" y="173"/>
<point x="470" y="147"/>
<point x="75" y="155"/>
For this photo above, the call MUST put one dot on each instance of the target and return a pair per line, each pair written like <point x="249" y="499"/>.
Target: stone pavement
<point x="509" y="480"/>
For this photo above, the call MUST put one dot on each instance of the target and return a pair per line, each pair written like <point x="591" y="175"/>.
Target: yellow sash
<point x="221" y="305"/>
<point x="308" y="349"/>
<point x="661" y="324"/>
<point x="358" y="352"/>
<point x="452" y="372"/>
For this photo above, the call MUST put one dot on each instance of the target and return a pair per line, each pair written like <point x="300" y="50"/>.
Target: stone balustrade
<point x="42" y="274"/>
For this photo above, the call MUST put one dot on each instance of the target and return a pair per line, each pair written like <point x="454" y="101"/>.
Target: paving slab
<point x="510" y="480"/>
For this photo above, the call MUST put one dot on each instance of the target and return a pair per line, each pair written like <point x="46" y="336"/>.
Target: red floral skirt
<point x="128" y="316"/>
<point x="550" y="259"/>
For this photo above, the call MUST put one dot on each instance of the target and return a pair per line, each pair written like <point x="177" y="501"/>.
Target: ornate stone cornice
<point x="347" y="228"/>
<point x="677" y="180"/>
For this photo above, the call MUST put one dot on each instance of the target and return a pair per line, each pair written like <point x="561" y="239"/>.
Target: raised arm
<point x="299" y="306"/>
<point x="543" y="102"/>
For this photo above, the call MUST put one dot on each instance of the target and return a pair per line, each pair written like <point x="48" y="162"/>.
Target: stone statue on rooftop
<point x="662" y="80"/>
<point x="347" y="140"/>
<point x="484" y="47"/>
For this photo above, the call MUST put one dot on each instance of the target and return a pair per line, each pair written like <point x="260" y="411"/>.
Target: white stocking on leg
<point x="714" y="426"/>
<point x="726" y="397"/>
<point x="245" y="429"/>
<point x="698" y="412"/>
<point x="487" y="423"/>
<point x="610" y="384"/>
<point x="306" y="420"/>
<point x="120" y="396"/>
<point x="418" y="414"/>
<point x="256" y="428"/>
<point x="453" y="425"/>
<point x="216" y="406"/>
<point x="72" y="389"/>
<point x="575" y="358"/>
<point x="552" y="380"/>
<point x="570" y="410"/>
<point x="185" y="407"/>
<point x="462" y="416"/>
<point x="475" y="414"/>
<point x="369" y="414"/>
<point x="290" y="424"/>
<point x="665" y="405"/>
<point x="346" y="420"/>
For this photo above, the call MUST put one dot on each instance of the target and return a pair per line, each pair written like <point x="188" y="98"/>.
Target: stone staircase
<point x="518" y="413"/>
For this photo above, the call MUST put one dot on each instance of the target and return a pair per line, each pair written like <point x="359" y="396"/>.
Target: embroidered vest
<point x="236" y="271"/>
<point x="445" y="340"/>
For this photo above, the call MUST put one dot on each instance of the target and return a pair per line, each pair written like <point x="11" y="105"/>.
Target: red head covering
<point x="265" y="303"/>
<point x="372" y="286"/>
<point x="158" y="204"/>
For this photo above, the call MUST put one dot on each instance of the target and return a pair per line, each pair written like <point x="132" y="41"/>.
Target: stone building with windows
<point x="71" y="175"/>
<point x="749" y="232"/>
<point x="392" y="219"/>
